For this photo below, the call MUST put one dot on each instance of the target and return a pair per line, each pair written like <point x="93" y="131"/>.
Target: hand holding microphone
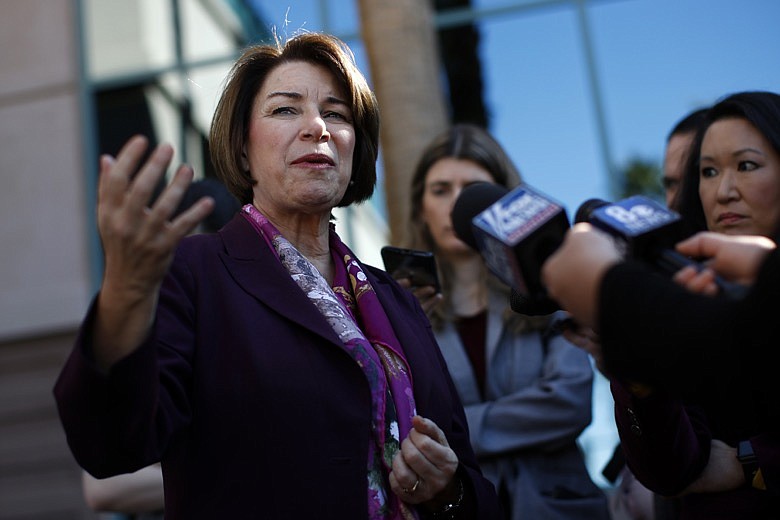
<point x="517" y="231"/>
<point x="646" y="230"/>
<point x="573" y="273"/>
<point x="736" y="258"/>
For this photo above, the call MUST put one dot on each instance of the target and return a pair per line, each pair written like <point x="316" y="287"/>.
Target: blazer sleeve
<point x="121" y="421"/>
<point x="656" y="332"/>
<point x="666" y="444"/>
<point x="546" y="415"/>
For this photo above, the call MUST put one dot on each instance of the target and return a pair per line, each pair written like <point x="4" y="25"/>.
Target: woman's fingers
<point x="428" y="297"/>
<point x="125" y="197"/>
<point x="186" y="222"/>
<point x="148" y="178"/>
<point x="699" y="282"/>
<point x="115" y="173"/>
<point x="428" y="428"/>
<point x="120" y="193"/>
<point x="426" y="460"/>
<point x="139" y="240"/>
<point x="168" y="201"/>
<point x="410" y="486"/>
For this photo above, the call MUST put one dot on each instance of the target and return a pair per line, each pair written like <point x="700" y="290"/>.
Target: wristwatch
<point x="748" y="460"/>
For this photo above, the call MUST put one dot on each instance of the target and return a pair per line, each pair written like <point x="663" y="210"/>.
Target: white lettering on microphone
<point x="639" y="218"/>
<point x="514" y="219"/>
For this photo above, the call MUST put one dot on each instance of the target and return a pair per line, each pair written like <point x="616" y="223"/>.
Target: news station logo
<point x="636" y="215"/>
<point x="516" y="215"/>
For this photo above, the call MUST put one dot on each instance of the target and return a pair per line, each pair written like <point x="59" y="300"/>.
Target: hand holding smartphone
<point x="418" y="266"/>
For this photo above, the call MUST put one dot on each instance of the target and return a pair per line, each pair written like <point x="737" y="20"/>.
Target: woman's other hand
<point x="424" y="469"/>
<point x="723" y="471"/>
<point x="427" y="296"/>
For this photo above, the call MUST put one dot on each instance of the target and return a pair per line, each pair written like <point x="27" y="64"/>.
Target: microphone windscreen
<point x="473" y="200"/>
<point x="587" y="208"/>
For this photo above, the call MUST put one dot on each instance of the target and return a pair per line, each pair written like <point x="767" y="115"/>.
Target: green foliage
<point x="641" y="177"/>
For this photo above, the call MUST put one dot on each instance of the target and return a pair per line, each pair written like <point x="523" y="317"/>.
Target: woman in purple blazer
<point x="271" y="372"/>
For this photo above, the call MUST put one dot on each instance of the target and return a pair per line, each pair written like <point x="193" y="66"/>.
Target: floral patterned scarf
<point x="354" y="312"/>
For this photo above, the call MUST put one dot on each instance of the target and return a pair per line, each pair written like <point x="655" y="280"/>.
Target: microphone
<point x="515" y="232"/>
<point x="646" y="230"/>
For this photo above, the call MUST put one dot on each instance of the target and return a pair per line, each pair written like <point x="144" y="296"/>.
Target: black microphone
<point x="587" y="208"/>
<point x="515" y="232"/>
<point x="645" y="229"/>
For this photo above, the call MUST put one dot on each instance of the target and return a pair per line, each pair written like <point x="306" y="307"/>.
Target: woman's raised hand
<point x="138" y="241"/>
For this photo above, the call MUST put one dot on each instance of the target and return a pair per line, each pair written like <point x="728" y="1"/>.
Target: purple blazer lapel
<point x="256" y="270"/>
<point x="412" y="334"/>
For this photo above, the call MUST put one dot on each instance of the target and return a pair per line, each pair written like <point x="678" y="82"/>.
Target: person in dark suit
<point x="271" y="372"/>
<point x="694" y="411"/>
<point x="656" y="331"/>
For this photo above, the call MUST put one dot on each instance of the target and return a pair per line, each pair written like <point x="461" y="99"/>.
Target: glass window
<point x="128" y="37"/>
<point x="209" y="30"/>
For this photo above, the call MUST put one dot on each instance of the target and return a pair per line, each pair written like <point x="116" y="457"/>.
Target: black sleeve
<point x="656" y="332"/>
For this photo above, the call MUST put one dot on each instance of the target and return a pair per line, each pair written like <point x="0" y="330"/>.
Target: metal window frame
<point x="89" y="87"/>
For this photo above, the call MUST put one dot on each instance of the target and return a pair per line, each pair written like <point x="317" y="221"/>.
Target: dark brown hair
<point x="462" y="141"/>
<point x="472" y="143"/>
<point x="229" y="128"/>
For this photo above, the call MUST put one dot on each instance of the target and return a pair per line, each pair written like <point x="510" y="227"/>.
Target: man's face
<point x="674" y="164"/>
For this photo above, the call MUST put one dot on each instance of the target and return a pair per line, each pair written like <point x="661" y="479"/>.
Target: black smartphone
<point x="418" y="266"/>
